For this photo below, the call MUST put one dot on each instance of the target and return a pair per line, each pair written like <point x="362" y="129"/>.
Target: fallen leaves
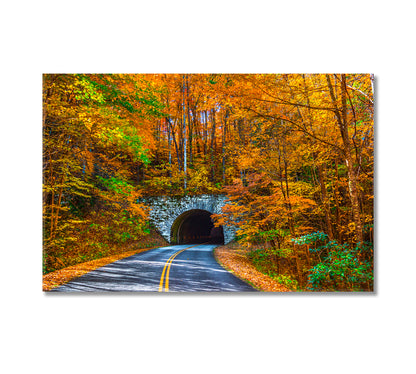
<point x="235" y="259"/>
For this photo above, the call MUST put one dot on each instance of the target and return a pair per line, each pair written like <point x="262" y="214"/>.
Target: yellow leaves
<point x="302" y="188"/>
<point x="85" y="91"/>
<point x="198" y="180"/>
<point x="85" y="119"/>
<point x="249" y="158"/>
<point x="351" y="228"/>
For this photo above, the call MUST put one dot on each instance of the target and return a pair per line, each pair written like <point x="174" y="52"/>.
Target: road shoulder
<point x="234" y="259"/>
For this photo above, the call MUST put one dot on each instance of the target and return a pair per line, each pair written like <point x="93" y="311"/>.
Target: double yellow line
<point x="166" y="269"/>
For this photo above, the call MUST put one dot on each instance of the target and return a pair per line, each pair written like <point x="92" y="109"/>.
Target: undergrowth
<point x="95" y="240"/>
<point x="313" y="263"/>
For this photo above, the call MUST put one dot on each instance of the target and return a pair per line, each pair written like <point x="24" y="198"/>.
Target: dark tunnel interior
<point x="195" y="226"/>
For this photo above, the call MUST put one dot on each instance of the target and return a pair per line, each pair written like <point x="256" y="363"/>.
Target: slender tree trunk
<point x="59" y="204"/>
<point x="191" y="138"/>
<point x="212" y="151"/>
<point x="205" y="132"/>
<point x="224" y="136"/>
<point x="168" y="128"/>
<point x="325" y="201"/>
<point x="184" y="129"/>
<point x="157" y="135"/>
<point x="51" y="233"/>
<point x="343" y="127"/>
<point x="198" y="134"/>
<point x="287" y="195"/>
<point x="336" y="195"/>
<point x="319" y="167"/>
<point x="241" y="145"/>
<point x="191" y="125"/>
<point x="169" y="146"/>
<point x="175" y="144"/>
<point x="55" y="209"/>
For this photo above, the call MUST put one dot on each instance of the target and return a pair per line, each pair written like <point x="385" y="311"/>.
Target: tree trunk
<point x="336" y="194"/>
<point x="325" y="201"/>
<point x="212" y="150"/>
<point x="169" y="146"/>
<point x="184" y="129"/>
<point x="341" y="117"/>
<point x="224" y="136"/>
<point x="205" y="132"/>
<point x="55" y="212"/>
<point x="175" y="144"/>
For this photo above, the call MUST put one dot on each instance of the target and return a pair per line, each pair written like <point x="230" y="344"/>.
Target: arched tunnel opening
<point x="194" y="227"/>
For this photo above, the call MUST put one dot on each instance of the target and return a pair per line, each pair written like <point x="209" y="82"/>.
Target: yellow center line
<point x="166" y="269"/>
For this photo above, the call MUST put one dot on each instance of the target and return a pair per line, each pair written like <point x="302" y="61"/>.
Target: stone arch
<point x="166" y="209"/>
<point x="195" y="226"/>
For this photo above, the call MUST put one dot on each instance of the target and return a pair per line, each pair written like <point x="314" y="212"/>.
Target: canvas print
<point x="208" y="183"/>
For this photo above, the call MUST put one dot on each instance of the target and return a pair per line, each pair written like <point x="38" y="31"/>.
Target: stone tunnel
<point x="187" y="220"/>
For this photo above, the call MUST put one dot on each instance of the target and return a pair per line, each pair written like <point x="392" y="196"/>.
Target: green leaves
<point x="125" y="142"/>
<point x="287" y="280"/>
<point x="86" y="91"/>
<point x="270" y="235"/>
<point x="310" y="238"/>
<point x="344" y="269"/>
<point x="116" y="185"/>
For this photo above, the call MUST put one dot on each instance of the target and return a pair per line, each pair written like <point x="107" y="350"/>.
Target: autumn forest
<point x="293" y="153"/>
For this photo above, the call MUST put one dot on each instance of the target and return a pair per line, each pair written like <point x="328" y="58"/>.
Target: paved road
<point x="176" y="268"/>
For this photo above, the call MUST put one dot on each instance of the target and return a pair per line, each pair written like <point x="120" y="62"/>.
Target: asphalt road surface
<point x="176" y="268"/>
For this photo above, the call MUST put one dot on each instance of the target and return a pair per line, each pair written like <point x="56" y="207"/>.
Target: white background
<point x="206" y="333"/>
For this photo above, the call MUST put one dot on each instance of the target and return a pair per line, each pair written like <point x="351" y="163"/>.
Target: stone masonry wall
<point x="165" y="210"/>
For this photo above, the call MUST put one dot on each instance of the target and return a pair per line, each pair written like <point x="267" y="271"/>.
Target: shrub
<point x="287" y="281"/>
<point x="343" y="269"/>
